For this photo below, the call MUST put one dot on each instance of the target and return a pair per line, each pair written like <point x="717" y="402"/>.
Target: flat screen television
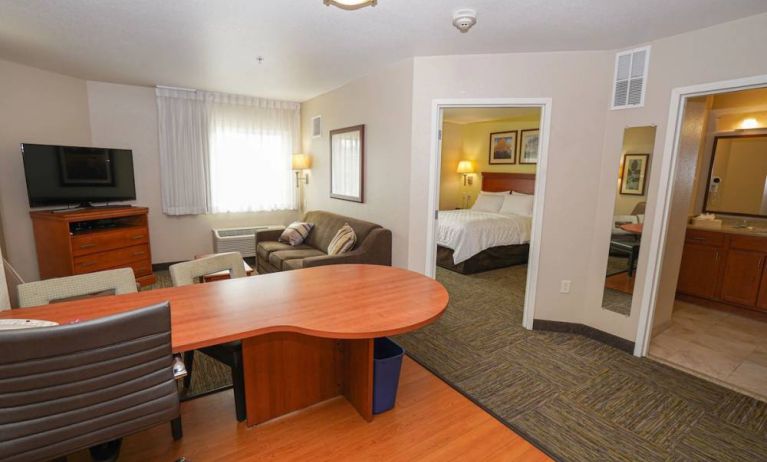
<point x="65" y="175"/>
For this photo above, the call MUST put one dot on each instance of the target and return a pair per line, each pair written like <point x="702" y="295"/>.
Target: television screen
<point x="62" y="175"/>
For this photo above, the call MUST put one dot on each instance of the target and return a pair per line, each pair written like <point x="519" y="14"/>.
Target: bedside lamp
<point x="466" y="167"/>
<point x="299" y="163"/>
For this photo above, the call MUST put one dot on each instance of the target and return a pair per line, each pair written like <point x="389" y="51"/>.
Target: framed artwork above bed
<point x="503" y="147"/>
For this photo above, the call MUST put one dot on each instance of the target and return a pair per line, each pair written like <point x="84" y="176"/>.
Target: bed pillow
<point x="517" y="204"/>
<point x="343" y="241"/>
<point x="296" y="233"/>
<point x="489" y="202"/>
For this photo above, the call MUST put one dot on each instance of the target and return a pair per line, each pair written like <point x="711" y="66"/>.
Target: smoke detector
<point x="464" y="19"/>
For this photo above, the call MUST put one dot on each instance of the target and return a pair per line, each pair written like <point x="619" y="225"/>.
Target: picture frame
<point x="503" y="148"/>
<point x="634" y="174"/>
<point x="347" y="163"/>
<point x="528" y="146"/>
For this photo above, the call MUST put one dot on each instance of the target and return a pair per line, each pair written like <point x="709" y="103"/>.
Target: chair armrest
<point x="266" y="235"/>
<point x="374" y="250"/>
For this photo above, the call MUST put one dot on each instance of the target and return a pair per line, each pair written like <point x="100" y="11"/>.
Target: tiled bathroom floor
<point x="729" y="348"/>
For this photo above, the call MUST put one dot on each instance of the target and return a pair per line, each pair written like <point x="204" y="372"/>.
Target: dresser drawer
<point x="696" y="236"/>
<point x="89" y="243"/>
<point x="754" y="243"/>
<point x="113" y="259"/>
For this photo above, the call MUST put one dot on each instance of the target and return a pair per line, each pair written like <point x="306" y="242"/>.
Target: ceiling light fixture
<point x="464" y="19"/>
<point x="749" y="123"/>
<point x="351" y="4"/>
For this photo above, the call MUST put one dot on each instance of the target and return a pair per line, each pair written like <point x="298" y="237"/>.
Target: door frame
<point x="435" y="161"/>
<point x="669" y="157"/>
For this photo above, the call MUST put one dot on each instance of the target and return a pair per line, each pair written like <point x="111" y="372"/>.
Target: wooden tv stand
<point x="88" y="240"/>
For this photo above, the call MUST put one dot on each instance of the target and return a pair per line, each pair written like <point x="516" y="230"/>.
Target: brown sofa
<point x="373" y="245"/>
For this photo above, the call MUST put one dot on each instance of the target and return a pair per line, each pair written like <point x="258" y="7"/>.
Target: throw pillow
<point x="488" y="202"/>
<point x="517" y="204"/>
<point x="343" y="241"/>
<point x="296" y="233"/>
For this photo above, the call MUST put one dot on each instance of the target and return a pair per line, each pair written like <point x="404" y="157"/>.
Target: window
<point x="224" y="153"/>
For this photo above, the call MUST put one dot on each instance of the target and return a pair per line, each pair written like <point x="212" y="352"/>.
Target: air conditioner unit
<point x="241" y="240"/>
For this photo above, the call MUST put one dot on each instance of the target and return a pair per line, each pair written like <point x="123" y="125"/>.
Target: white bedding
<point x="469" y="232"/>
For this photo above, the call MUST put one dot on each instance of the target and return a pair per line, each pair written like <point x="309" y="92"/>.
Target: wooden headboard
<point x="498" y="181"/>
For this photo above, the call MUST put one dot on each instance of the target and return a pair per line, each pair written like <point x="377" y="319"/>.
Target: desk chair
<point x="229" y="353"/>
<point x="70" y="387"/>
<point x="109" y="282"/>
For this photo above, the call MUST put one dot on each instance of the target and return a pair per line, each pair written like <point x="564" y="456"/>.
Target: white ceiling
<point x="309" y="48"/>
<point x="471" y="115"/>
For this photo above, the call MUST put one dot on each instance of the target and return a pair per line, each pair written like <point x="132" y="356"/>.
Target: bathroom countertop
<point x="729" y="228"/>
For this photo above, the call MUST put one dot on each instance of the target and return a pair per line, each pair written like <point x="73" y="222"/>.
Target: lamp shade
<point x="465" y="166"/>
<point x="301" y="162"/>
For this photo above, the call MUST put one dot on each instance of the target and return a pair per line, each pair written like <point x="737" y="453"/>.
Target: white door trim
<point x="540" y="185"/>
<point x="657" y="235"/>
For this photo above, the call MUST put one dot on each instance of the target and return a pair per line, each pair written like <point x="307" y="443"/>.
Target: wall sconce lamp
<point x="466" y="168"/>
<point x="300" y="163"/>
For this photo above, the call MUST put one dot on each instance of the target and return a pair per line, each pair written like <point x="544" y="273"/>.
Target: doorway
<point x="506" y="151"/>
<point x="704" y="309"/>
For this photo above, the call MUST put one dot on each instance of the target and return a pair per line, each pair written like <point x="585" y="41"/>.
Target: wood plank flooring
<point x="431" y="422"/>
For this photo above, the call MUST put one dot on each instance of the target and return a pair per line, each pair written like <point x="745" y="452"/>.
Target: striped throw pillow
<point x="343" y="241"/>
<point x="296" y="233"/>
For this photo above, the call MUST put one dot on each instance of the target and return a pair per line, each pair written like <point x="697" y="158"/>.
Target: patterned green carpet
<point x="577" y="398"/>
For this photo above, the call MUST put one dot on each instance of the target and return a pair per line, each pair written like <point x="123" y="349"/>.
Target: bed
<point x="470" y="241"/>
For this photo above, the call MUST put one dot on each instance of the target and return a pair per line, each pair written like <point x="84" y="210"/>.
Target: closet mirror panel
<point x="628" y="218"/>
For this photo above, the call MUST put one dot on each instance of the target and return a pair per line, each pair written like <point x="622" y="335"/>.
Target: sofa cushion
<point x="343" y="241"/>
<point x="265" y="248"/>
<point x="278" y="257"/>
<point x="296" y="263"/>
<point x="296" y="233"/>
<point x="327" y="224"/>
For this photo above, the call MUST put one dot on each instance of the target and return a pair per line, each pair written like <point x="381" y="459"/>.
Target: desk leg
<point x="358" y="375"/>
<point x="285" y="372"/>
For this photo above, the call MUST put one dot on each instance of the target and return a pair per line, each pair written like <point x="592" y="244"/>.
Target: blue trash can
<point x="387" y="363"/>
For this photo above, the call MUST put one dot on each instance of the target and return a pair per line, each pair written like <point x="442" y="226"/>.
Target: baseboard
<point x="587" y="331"/>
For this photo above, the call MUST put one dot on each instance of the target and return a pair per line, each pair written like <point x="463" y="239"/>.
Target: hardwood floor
<point x="621" y="282"/>
<point x="431" y="422"/>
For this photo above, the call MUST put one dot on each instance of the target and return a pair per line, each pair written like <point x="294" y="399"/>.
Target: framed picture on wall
<point x="634" y="174"/>
<point x="503" y="147"/>
<point x="528" y="146"/>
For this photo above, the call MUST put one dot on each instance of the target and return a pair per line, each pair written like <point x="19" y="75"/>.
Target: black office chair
<point x="86" y="385"/>
<point x="229" y="353"/>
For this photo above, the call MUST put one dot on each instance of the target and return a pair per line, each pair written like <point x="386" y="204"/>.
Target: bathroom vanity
<point x="726" y="265"/>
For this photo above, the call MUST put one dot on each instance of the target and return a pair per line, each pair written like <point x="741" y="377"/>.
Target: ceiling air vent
<point x="630" y="78"/>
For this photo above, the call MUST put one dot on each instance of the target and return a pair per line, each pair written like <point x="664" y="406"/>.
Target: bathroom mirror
<point x="347" y="163"/>
<point x="737" y="177"/>
<point x="628" y="218"/>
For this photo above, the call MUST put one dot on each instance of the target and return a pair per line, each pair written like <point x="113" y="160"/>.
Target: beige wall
<point x="451" y="187"/>
<point x="36" y="106"/>
<point x="471" y="141"/>
<point x="125" y="116"/>
<point x="578" y="115"/>
<point x="381" y="101"/>
<point x="721" y="52"/>
<point x="636" y="140"/>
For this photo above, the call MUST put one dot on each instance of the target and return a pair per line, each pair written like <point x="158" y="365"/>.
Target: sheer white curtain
<point x="247" y="152"/>
<point x="184" y="165"/>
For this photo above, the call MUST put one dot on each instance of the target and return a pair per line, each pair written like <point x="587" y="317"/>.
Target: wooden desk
<point x="307" y="335"/>
<point x="633" y="228"/>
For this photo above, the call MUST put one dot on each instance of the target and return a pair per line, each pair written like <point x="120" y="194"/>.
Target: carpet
<point x="576" y="398"/>
<point x="209" y="375"/>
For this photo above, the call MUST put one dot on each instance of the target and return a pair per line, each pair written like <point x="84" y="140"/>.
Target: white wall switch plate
<point x="564" y="287"/>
